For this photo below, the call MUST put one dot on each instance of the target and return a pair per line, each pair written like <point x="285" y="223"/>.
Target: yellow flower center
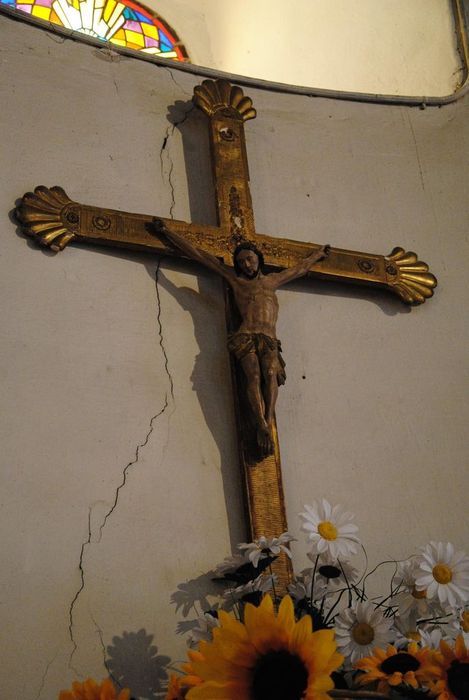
<point x="419" y="594"/>
<point x="327" y="530"/>
<point x="414" y="635"/>
<point x="465" y="621"/>
<point x="442" y="573"/>
<point x="363" y="633"/>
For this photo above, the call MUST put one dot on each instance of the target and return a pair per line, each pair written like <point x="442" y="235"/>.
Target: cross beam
<point x="55" y="220"/>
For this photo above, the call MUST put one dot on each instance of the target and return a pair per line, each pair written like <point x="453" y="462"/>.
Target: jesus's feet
<point x="265" y="440"/>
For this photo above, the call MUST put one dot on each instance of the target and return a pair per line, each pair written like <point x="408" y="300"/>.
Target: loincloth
<point x="241" y="344"/>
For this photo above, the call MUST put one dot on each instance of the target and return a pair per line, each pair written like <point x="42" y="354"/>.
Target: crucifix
<point x="238" y="253"/>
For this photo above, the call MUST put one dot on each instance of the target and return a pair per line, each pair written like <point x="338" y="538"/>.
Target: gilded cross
<point x="55" y="220"/>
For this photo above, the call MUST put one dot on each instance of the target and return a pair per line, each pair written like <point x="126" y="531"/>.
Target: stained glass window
<point x="121" y="22"/>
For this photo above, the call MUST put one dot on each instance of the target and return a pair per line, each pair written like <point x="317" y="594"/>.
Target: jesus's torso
<point x="257" y="304"/>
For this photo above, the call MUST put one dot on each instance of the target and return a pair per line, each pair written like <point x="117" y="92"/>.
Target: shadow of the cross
<point x="384" y="300"/>
<point x="210" y="377"/>
<point x="198" y="168"/>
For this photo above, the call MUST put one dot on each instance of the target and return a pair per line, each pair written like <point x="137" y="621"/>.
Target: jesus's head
<point x="247" y="260"/>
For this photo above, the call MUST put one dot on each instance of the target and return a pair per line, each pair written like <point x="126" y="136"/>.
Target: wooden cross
<point x="55" y="220"/>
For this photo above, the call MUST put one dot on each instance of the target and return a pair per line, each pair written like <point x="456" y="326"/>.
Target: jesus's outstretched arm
<point x="301" y="268"/>
<point x="192" y="252"/>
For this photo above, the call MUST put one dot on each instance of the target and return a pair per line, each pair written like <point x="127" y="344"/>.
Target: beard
<point x="250" y="275"/>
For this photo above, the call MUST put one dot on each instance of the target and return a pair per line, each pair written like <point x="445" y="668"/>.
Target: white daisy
<point x="265" y="547"/>
<point x="360" y="629"/>
<point x="431" y="635"/>
<point x="334" y="574"/>
<point x="406" y="631"/>
<point x="431" y="638"/>
<point x="410" y="602"/>
<point x="464" y="619"/>
<point x="262" y="584"/>
<point x="229" y="565"/>
<point x="300" y="588"/>
<point x="464" y="624"/>
<point x="330" y="530"/>
<point x="204" y="629"/>
<point x="443" y="573"/>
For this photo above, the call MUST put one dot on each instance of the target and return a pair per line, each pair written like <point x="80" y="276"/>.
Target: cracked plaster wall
<point x="119" y="471"/>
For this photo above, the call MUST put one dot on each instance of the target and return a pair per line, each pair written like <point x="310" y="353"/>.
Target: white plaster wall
<point x="97" y="359"/>
<point x="375" y="409"/>
<point x="96" y="364"/>
<point x="394" y="47"/>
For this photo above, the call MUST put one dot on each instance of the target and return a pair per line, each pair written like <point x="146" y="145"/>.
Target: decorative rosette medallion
<point x="409" y="277"/>
<point x="215" y="95"/>
<point x="49" y="216"/>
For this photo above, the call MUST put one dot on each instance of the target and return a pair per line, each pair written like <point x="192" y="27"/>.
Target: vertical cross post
<point x="228" y="108"/>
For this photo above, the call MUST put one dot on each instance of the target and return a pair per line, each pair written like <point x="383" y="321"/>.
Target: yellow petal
<point x="460" y="648"/>
<point x="395" y="678"/>
<point x="216" y="691"/>
<point x="302" y="632"/>
<point x="286" y="614"/>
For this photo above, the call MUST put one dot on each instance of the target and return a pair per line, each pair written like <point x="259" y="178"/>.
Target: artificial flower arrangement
<point x="326" y="638"/>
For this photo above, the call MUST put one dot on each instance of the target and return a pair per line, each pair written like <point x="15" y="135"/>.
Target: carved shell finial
<point x="48" y="216"/>
<point x="409" y="276"/>
<point x="215" y="95"/>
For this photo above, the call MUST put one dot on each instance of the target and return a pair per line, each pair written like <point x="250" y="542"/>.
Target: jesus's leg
<point x="252" y="371"/>
<point x="269" y="364"/>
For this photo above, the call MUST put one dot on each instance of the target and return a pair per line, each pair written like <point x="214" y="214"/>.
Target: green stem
<point x="273" y="585"/>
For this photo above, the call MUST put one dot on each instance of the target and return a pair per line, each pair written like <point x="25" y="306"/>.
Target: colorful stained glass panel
<point x="122" y="22"/>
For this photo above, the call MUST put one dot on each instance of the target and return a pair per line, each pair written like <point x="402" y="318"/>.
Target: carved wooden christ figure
<point x="254" y="344"/>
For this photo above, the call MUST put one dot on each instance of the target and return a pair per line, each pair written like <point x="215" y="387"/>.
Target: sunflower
<point x="175" y="691"/>
<point x="269" y="657"/>
<point x="179" y="685"/>
<point x="90" y="690"/>
<point x="453" y="681"/>
<point x="395" y="667"/>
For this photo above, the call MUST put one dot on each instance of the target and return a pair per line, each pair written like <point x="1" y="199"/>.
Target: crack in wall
<point x="160" y="329"/>
<point x="130" y="464"/>
<point x="77" y="594"/>
<point x="171" y="73"/>
<point x="111" y="510"/>
<point x="44" y="676"/>
<point x="103" y="648"/>
<point x="169" y="131"/>
<point x="164" y="149"/>
<point x="416" y="151"/>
